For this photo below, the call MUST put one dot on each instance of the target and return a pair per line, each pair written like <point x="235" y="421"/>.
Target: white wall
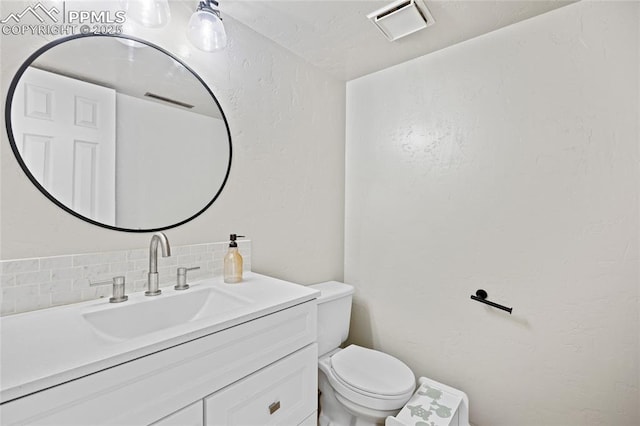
<point x="187" y="172"/>
<point x="286" y="188"/>
<point x="508" y="163"/>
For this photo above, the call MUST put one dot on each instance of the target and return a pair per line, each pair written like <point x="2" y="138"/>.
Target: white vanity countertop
<point x="45" y="348"/>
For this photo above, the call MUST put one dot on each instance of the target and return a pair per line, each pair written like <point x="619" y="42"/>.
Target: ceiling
<point x="336" y="36"/>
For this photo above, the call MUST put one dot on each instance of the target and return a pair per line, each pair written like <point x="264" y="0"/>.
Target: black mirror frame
<point x="14" y="147"/>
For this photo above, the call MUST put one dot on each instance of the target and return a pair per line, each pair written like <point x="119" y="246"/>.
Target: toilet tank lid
<point x="332" y="290"/>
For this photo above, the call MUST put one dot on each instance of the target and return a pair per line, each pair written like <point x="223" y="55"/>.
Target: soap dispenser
<point x="233" y="262"/>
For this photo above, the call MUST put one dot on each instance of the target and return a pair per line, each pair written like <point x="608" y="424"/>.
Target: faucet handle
<point x="118" y="288"/>
<point x="98" y="283"/>
<point x="181" y="283"/>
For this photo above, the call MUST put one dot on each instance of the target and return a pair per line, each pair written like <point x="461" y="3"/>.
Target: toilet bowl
<point x="358" y="386"/>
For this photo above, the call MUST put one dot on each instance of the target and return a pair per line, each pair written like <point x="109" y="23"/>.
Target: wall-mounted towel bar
<point x="481" y="296"/>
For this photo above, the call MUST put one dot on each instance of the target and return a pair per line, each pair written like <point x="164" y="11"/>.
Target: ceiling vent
<point x="401" y="18"/>
<point x="168" y="100"/>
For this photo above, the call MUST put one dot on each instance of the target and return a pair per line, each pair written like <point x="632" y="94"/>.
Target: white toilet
<point x="359" y="386"/>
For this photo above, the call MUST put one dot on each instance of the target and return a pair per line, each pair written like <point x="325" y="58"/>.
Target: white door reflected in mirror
<point x="65" y="130"/>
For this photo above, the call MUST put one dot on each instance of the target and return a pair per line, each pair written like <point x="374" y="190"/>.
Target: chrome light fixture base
<point x="210" y="6"/>
<point x="205" y="29"/>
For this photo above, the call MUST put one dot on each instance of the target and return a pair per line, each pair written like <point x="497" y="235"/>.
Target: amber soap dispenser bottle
<point x="233" y="262"/>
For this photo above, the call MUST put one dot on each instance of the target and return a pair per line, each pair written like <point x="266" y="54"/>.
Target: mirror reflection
<point x="119" y="132"/>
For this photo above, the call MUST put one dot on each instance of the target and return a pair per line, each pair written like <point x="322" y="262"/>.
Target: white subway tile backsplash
<point x="80" y="283"/>
<point x="180" y="250"/>
<point x="96" y="292"/>
<point x="200" y="248"/>
<point x="189" y="260"/>
<point x="38" y="283"/>
<point x="99" y="258"/>
<point x="97" y="272"/>
<point x="65" y="298"/>
<point x="167" y="261"/>
<point x="56" y="287"/>
<point x="33" y="303"/>
<point x="140" y="264"/>
<point x="135" y="275"/>
<point x="33" y="277"/>
<point x="139" y="285"/>
<point x="58" y="262"/>
<point x="121" y="268"/>
<point x="166" y="275"/>
<point x="67" y="273"/>
<point x="7" y="280"/>
<point x="23" y="265"/>
<point x="138" y="254"/>
<point x="22" y="292"/>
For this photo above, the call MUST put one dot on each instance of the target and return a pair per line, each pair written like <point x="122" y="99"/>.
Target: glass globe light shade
<point x="149" y="13"/>
<point x="206" y="31"/>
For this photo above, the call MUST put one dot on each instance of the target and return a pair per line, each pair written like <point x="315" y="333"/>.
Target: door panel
<point x="84" y="178"/>
<point x="36" y="154"/>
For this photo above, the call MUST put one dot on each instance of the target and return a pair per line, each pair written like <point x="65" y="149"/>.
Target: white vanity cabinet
<point x="192" y="415"/>
<point x="230" y="377"/>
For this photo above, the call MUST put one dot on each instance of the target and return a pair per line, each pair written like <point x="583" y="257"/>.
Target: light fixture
<point x="149" y="13"/>
<point x="205" y="30"/>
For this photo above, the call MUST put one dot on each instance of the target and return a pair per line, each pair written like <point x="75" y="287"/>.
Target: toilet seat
<point x="360" y="388"/>
<point x="373" y="373"/>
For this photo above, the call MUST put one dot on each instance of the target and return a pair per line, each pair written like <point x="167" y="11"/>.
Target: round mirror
<point x="118" y="132"/>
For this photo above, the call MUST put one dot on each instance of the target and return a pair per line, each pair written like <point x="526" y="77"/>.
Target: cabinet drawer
<point x="283" y="393"/>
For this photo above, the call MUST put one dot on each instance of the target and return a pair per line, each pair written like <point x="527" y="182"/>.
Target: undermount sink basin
<point x="146" y="315"/>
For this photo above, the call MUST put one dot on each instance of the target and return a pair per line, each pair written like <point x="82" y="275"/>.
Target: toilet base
<point x="337" y="411"/>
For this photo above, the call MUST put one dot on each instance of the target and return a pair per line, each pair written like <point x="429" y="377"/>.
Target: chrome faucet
<point x="152" y="280"/>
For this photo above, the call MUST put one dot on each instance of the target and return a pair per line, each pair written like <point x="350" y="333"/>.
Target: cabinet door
<point x="193" y="415"/>
<point x="283" y="393"/>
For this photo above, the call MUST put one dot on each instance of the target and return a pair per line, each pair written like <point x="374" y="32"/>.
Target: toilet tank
<point x="334" y="314"/>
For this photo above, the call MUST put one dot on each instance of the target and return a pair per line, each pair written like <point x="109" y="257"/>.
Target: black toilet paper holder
<point x="481" y="296"/>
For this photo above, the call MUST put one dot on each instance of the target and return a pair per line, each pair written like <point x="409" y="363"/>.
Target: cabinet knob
<point x="274" y="407"/>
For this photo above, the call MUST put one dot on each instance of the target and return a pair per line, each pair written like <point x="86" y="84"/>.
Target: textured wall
<point x="509" y="163"/>
<point x="286" y="188"/>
